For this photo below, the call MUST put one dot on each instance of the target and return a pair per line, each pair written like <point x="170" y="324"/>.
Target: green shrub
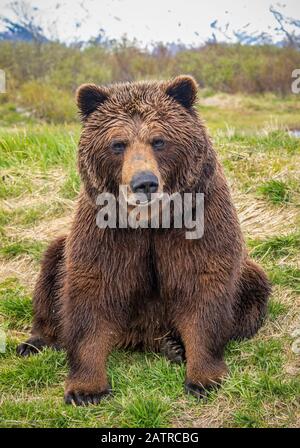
<point x="48" y="102"/>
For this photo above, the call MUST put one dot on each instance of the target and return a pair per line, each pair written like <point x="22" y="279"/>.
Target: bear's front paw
<point x="199" y="391"/>
<point x="77" y="398"/>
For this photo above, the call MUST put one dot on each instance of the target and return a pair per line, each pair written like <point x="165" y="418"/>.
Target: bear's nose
<point x="144" y="182"/>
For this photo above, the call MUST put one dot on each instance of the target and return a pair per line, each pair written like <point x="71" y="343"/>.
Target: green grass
<point x="36" y="373"/>
<point x="284" y="275"/>
<point x="71" y="186"/>
<point x="32" y="215"/>
<point x="248" y="418"/>
<point x="275" y="191"/>
<point x="15" y="304"/>
<point x="276" y="309"/>
<point x="145" y="411"/>
<point x="12" y="249"/>
<point x="273" y="142"/>
<point x="15" y="183"/>
<point x="148" y="390"/>
<point x="278" y="246"/>
<point x="39" y="185"/>
<point x="40" y="146"/>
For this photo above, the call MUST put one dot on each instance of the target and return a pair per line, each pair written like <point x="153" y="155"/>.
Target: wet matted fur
<point x="146" y="288"/>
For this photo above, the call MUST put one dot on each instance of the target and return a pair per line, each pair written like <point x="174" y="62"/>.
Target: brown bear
<point x="146" y="288"/>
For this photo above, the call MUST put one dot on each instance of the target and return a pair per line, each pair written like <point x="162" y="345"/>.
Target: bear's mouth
<point x="140" y="199"/>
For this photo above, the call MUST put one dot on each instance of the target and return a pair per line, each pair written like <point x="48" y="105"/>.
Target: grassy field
<point x="38" y="187"/>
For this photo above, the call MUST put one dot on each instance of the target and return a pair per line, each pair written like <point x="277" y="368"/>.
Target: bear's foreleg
<point x="87" y="382"/>
<point x="89" y="339"/>
<point x="205" y="330"/>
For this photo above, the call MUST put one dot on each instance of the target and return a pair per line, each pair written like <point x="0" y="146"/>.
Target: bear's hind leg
<point x="45" y="329"/>
<point x="251" y="301"/>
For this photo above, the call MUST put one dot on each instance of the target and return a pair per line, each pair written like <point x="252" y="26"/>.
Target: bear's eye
<point x="118" y="147"/>
<point x="158" y="143"/>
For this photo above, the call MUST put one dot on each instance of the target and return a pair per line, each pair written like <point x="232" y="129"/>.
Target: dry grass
<point x="259" y="219"/>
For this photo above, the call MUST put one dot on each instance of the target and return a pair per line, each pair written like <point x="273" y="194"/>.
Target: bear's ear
<point x="89" y="97"/>
<point x="183" y="89"/>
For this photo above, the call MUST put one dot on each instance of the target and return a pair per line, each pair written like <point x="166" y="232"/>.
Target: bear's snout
<point x="144" y="182"/>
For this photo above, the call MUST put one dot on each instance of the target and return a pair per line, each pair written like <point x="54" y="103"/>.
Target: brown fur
<point x="105" y="288"/>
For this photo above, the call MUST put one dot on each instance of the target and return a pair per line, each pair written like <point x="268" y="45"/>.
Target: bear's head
<point x="146" y="136"/>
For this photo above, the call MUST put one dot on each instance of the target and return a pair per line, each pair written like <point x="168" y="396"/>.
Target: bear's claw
<point x="199" y="391"/>
<point x="84" y="398"/>
<point x="172" y="348"/>
<point x="31" y="347"/>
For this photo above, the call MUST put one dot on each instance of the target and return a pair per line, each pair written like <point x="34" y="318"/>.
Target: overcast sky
<point x="154" y="20"/>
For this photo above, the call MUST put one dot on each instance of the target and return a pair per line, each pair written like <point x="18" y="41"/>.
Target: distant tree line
<point x="42" y="73"/>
